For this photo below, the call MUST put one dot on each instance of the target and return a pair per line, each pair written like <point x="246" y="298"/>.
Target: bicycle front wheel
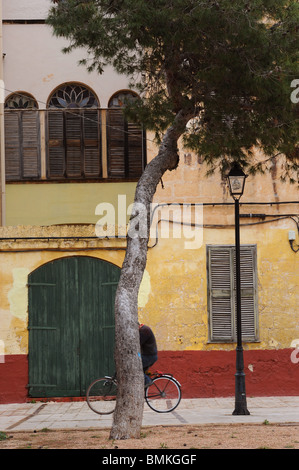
<point x="163" y="395"/>
<point x="101" y="396"/>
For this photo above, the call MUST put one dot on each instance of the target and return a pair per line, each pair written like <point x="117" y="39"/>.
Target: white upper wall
<point x="34" y="62"/>
<point x="25" y="9"/>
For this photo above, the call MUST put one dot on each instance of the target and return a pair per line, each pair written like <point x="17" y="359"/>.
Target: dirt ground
<point x="262" y="436"/>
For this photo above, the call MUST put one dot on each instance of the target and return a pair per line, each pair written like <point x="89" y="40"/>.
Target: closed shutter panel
<point x="56" y="148"/>
<point x="74" y="144"/>
<point x="31" y="148"/>
<point x="222" y="293"/>
<point x="92" y="144"/>
<point x="248" y="291"/>
<point x="73" y="121"/>
<point x="116" y="144"/>
<point x="12" y="146"/>
<point x="125" y="147"/>
<point x="22" y="145"/>
<point x="135" y="137"/>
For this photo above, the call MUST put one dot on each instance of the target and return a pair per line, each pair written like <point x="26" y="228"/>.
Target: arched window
<point x="74" y="147"/>
<point x="20" y="101"/>
<point x="126" y="140"/>
<point x="73" y="96"/>
<point x="22" y="137"/>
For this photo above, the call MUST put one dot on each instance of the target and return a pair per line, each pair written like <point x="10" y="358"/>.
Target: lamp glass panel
<point x="236" y="184"/>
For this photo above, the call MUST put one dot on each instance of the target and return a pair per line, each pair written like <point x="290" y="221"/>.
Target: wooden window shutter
<point x="74" y="144"/>
<point x="116" y="144"/>
<point x="135" y="150"/>
<point x="31" y="147"/>
<point x="222" y="293"/>
<point x="92" y="143"/>
<point x="22" y="144"/>
<point x="125" y="146"/>
<point x="248" y="291"/>
<point x="12" y="145"/>
<point x="73" y="132"/>
<point x="56" y="145"/>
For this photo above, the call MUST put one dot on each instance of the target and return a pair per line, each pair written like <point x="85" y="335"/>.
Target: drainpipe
<point x="2" y="143"/>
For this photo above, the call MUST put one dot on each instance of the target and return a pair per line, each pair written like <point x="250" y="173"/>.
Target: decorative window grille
<point x="126" y="141"/>
<point x="222" y="293"/>
<point x="20" y="101"/>
<point x="73" y="96"/>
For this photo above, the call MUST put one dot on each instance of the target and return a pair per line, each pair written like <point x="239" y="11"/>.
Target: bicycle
<point x="162" y="396"/>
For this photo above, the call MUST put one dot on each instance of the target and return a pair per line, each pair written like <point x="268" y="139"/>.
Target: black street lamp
<point x="236" y="180"/>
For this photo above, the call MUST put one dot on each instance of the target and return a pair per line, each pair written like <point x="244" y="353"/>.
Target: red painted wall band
<point x="205" y="374"/>
<point x="202" y="374"/>
<point x="13" y="379"/>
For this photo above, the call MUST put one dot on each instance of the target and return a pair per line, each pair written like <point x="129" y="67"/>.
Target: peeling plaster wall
<point x="173" y="301"/>
<point x="19" y="258"/>
<point x="177" y="302"/>
<point x="173" y="293"/>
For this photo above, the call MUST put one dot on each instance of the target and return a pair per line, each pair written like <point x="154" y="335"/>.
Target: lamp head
<point x="236" y="181"/>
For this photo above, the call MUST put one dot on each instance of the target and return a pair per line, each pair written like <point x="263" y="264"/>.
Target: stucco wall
<point x="176" y="304"/>
<point x="29" y="9"/>
<point x="173" y="294"/>
<point x="173" y="300"/>
<point x="20" y="258"/>
<point x="48" y="204"/>
<point x="40" y="73"/>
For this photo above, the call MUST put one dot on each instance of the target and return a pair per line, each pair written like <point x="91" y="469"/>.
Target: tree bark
<point x="127" y="419"/>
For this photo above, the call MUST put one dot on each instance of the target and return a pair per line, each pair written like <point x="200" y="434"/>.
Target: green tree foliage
<point x="231" y="63"/>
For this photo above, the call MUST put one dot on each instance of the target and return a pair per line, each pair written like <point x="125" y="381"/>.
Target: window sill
<point x="234" y="341"/>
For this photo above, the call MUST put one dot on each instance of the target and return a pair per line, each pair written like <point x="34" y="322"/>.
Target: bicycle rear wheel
<point x="163" y="395"/>
<point x="101" y="396"/>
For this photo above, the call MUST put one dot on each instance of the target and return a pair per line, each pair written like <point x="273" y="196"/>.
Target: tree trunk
<point x="127" y="419"/>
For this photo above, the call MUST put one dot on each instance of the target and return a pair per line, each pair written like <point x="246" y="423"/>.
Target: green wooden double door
<point x="71" y="325"/>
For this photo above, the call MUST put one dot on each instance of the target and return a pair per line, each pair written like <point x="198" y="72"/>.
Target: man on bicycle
<point x="149" y="351"/>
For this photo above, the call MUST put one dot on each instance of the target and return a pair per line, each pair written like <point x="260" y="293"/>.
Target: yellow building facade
<point x="175" y="294"/>
<point x="58" y="276"/>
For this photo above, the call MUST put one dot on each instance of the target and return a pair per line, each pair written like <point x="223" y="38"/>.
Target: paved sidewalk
<point x="77" y="415"/>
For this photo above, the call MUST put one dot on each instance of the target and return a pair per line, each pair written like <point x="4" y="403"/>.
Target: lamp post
<point x="236" y="180"/>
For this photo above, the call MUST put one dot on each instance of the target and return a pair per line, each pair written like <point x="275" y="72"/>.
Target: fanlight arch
<point x="73" y="96"/>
